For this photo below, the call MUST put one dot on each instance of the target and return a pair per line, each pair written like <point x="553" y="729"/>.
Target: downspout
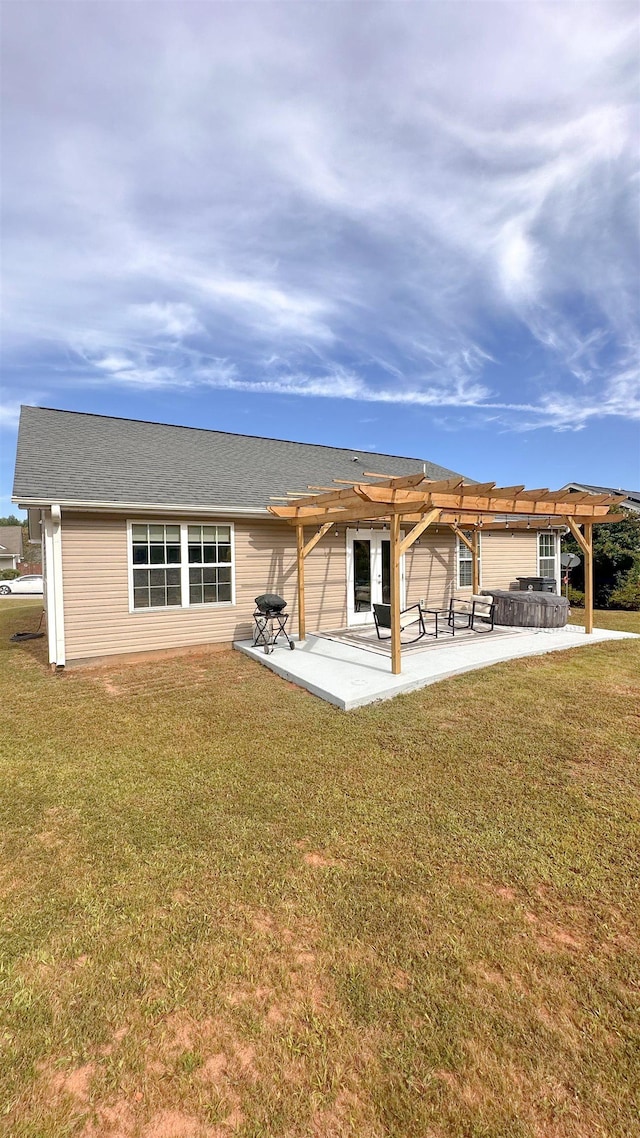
<point x="53" y="585"/>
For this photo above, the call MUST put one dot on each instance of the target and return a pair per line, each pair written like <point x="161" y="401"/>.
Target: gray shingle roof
<point x="610" y="490"/>
<point x="632" y="496"/>
<point x="70" y="456"/>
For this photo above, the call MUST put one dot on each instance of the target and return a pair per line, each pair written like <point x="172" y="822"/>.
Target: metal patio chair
<point x="408" y="616"/>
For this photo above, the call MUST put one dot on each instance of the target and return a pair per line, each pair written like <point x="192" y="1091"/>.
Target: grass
<point x="607" y="618"/>
<point x="230" y="910"/>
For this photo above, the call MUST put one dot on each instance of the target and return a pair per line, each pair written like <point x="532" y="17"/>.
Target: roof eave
<point x="73" y="504"/>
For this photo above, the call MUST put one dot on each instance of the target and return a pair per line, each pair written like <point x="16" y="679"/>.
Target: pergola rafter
<point x="463" y="506"/>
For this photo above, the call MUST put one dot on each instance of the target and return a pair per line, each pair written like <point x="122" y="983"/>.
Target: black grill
<point x="270" y="621"/>
<point x="270" y="603"/>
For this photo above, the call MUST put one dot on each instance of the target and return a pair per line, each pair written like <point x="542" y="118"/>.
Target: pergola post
<point x="588" y="577"/>
<point x="585" y="541"/>
<point x="475" y="564"/>
<point x="300" y="557"/>
<point x="302" y="552"/>
<point x="395" y="595"/>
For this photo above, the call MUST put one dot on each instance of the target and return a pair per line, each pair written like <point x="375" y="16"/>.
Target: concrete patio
<point x="350" y="676"/>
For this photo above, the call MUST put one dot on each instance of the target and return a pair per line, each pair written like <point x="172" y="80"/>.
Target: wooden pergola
<point x="465" y="507"/>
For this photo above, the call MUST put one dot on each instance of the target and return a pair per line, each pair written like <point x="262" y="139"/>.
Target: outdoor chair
<point x="473" y="612"/>
<point x="408" y="616"/>
<point x="483" y="613"/>
<point x="461" y="612"/>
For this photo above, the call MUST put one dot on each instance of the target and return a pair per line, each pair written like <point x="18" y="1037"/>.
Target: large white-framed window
<point x="210" y="564"/>
<point x="547" y="544"/>
<point x="156" y="557"/>
<point x="180" y="565"/>
<point x="464" y="562"/>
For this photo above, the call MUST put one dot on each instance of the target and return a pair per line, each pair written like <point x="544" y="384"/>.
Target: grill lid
<point x="270" y="602"/>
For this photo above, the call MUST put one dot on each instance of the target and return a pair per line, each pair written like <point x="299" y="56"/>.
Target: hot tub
<point x="529" y="610"/>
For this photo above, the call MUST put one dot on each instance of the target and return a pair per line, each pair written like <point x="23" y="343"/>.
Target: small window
<point x="465" y="566"/>
<point x="547" y="554"/>
<point x="209" y="565"/>
<point x="156" y="566"/>
<point x="465" y="563"/>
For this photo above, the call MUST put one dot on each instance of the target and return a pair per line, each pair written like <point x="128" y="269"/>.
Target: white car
<point x="31" y="584"/>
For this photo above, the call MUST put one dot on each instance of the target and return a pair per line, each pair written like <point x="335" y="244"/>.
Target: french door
<point x="369" y="574"/>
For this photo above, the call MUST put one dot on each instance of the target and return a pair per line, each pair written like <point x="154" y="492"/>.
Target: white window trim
<point x="461" y="545"/>
<point x="184" y="566"/>
<point x="556" y="572"/>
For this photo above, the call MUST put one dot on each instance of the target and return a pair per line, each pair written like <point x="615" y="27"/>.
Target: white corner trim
<point x="53" y="587"/>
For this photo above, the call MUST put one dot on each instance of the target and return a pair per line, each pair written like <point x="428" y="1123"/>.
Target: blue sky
<point x="401" y="227"/>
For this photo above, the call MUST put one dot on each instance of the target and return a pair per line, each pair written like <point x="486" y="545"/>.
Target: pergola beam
<point x="313" y="541"/>
<point x="402" y="480"/>
<point x="357" y="510"/>
<point x="463" y="537"/>
<point x="473" y="545"/>
<point x="577" y="535"/>
<point x="362" y="502"/>
<point x="418" y="529"/>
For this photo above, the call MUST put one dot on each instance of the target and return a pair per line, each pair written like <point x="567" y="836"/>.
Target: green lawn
<point x="416" y="920"/>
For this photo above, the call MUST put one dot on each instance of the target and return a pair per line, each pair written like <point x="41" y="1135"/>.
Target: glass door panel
<point x="368" y="574"/>
<point x="386" y="572"/>
<point x="361" y="576"/>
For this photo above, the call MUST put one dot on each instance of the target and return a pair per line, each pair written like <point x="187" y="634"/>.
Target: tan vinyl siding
<point x="96" y="593"/>
<point x="430" y="569"/>
<point x="506" y="556"/>
<point x="96" y="590"/>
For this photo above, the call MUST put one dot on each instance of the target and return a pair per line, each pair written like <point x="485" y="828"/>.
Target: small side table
<point x="443" y="626"/>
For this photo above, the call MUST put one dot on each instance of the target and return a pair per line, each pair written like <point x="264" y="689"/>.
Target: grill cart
<point x="270" y="622"/>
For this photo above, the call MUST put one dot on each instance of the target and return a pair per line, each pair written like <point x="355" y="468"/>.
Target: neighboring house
<point x="631" y="500"/>
<point x="10" y="546"/>
<point x="159" y="537"/>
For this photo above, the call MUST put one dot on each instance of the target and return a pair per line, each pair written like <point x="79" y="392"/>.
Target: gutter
<point x="144" y="507"/>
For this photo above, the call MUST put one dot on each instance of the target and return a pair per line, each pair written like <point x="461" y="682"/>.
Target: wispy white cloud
<point x="10" y="413"/>
<point x="430" y="205"/>
<point x="173" y="320"/>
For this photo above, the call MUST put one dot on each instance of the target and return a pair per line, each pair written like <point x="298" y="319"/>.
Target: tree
<point x="616" y="559"/>
<point x="12" y="520"/>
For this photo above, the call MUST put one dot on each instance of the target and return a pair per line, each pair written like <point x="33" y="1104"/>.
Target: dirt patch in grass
<point x="419" y="919"/>
<point x="75" y="1083"/>
<point x="318" y="861"/>
<point x="115" y="1121"/>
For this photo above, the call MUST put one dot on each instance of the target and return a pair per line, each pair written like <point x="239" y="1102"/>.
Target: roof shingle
<point x="71" y="456"/>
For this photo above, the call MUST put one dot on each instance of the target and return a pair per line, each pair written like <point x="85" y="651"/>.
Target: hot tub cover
<point x="518" y="609"/>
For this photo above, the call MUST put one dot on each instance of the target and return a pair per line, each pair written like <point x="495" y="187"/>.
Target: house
<point x="631" y="498"/>
<point x="160" y="537"/>
<point x="10" y="546"/>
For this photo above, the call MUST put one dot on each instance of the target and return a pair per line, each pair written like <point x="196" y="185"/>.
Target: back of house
<point x="159" y="537"/>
